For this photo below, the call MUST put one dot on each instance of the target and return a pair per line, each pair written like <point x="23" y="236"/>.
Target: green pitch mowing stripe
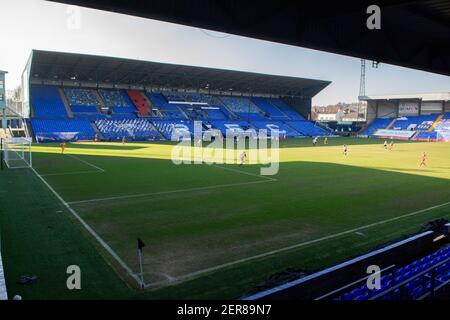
<point x="230" y="228"/>
<point x="39" y="237"/>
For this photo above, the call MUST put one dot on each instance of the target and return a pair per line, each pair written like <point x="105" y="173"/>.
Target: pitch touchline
<point x="89" y="229"/>
<point x="298" y="245"/>
<point x="169" y="192"/>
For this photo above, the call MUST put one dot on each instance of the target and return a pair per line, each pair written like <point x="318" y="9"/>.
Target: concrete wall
<point x="387" y="109"/>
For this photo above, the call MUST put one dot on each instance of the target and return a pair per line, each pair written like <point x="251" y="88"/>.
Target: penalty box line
<point x="264" y="179"/>
<point x="89" y="229"/>
<point x="141" y="195"/>
<point x="97" y="169"/>
<point x="199" y="273"/>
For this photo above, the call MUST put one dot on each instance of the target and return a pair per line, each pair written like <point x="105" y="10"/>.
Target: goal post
<point x="17" y="153"/>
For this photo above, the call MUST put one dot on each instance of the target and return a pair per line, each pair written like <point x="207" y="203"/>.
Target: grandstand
<point x="411" y="117"/>
<point x="415" y="268"/>
<point x="155" y="111"/>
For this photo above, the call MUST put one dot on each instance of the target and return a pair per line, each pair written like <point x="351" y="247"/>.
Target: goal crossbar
<point x="17" y="153"/>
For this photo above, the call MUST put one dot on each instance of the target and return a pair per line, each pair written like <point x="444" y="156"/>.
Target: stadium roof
<point x="413" y="34"/>
<point x="444" y="96"/>
<point x="57" y="66"/>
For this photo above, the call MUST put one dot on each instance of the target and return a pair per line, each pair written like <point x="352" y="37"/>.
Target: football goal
<point x="17" y="152"/>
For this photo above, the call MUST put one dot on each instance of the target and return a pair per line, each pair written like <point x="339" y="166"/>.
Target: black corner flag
<point x="141" y="244"/>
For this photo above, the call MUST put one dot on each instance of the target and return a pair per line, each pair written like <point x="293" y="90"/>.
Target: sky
<point x="36" y="24"/>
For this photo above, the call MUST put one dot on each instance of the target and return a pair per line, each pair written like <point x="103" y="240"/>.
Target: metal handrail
<point x="405" y="282"/>
<point x="352" y="284"/>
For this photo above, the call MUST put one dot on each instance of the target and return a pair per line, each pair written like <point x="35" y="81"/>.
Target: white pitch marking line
<point x="69" y="173"/>
<point x="165" y="275"/>
<point x="86" y="162"/>
<point x="244" y="172"/>
<point x="298" y="245"/>
<point x="89" y="229"/>
<point x="170" y="192"/>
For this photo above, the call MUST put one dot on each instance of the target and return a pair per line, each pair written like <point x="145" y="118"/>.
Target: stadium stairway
<point x="65" y="102"/>
<point x="276" y="107"/>
<point x="438" y="119"/>
<point x="183" y="112"/>
<point x="99" y="134"/>
<point x="102" y="105"/>
<point x="391" y="123"/>
<point x="232" y="115"/>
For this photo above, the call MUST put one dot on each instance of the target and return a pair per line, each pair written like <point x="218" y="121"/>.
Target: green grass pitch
<point x="210" y="231"/>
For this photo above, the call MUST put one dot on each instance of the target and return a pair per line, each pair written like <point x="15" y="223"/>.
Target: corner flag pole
<point x="1" y="153"/>
<point x="141" y="244"/>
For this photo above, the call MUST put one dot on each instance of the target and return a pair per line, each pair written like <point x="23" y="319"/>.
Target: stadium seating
<point x="413" y="289"/>
<point x="240" y="105"/>
<point x="433" y="126"/>
<point x="233" y="126"/>
<point x="167" y="127"/>
<point x="124" y="107"/>
<point x="251" y="116"/>
<point x="47" y="103"/>
<point x="137" y="129"/>
<point x="307" y="128"/>
<point x="286" y="109"/>
<point x="443" y="124"/>
<point x="77" y="108"/>
<point x="116" y="99"/>
<point x="89" y="116"/>
<point x="140" y="102"/>
<point x="379" y="123"/>
<point x="285" y="131"/>
<point x="203" y="98"/>
<point x="215" y="113"/>
<point x="173" y="96"/>
<point x="170" y="111"/>
<point x="81" y="97"/>
<point x="427" y="135"/>
<point x="123" y="115"/>
<point x="67" y="130"/>
<point x="269" y="109"/>
<point x="414" y="122"/>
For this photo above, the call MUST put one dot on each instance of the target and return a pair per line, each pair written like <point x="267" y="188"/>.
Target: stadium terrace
<point x="75" y="97"/>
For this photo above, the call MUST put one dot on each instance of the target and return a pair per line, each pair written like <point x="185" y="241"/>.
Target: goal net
<point x="17" y="152"/>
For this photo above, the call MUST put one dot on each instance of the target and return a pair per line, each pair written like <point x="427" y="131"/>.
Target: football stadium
<point x="170" y="181"/>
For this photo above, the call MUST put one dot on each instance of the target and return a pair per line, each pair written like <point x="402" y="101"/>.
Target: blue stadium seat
<point x="307" y="128"/>
<point x="286" y="109"/>
<point x="136" y="129"/>
<point x="414" y="288"/>
<point x="240" y="105"/>
<point x="47" y="103"/>
<point x="179" y="127"/>
<point x="81" y="97"/>
<point x="117" y="99"/>
<point x="62" y="130"/>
